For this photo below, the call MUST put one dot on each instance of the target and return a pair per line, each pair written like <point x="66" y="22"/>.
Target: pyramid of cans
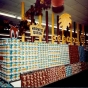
<point x="10" y="50"/>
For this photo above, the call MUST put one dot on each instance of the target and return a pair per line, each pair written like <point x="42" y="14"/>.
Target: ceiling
<point x="78" y="9"/>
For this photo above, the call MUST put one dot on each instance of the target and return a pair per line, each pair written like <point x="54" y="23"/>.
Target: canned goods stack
<point x="53" y="55"/>
<point x="42" y="77"/>
<point x="1" y="61"/>
<point x="64" y="54"/>
<point x="42" y="55"/>
<point x="4" y="84"/>
<point x="33" y="54"/>
<point x="73" y="54"/>
<point x="34" y="79"/>
<point x="61" y="72"/>
<point x="68" y="70"/>
<point x="28" y="56"/>
<point x="76" y="68"/>
<point x="10" y="50"/>
<point x="81" y="53"/>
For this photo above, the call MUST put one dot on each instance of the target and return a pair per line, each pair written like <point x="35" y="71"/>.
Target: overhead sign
<point x="36" y="30"/>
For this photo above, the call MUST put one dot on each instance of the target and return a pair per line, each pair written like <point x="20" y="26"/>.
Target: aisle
<point x="78" y="80"/>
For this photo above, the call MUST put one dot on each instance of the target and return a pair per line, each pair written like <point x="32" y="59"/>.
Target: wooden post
<point x="40" y="21"/>
<point x="52" y="27"/>
<point x="32" y="19"/>
<point x="77" y="28"/>
<point x="71" y="34"/>
<point x="22" y="11"/>
<point x="47" y="27"/>
<point x="58" y="27"/>
<point x="22" y="18"/>
<point x="62" y="36"/>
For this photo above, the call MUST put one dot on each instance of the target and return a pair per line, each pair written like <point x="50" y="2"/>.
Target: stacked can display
<point x="59" y="61"/>
<point x="43" y="56"/>
<point x="42" y="77"/>
<point x="53" y="55"/>
<point x="76" y="68"/>
<point x="81" y="53"/>
<point x="10" y="51"/>
<point x="73" y="54"/>
<point x="28" y="56"/>
<point x="4" y="84"/>
<point x="68" y="70"/>
<point x="64" y="54"/>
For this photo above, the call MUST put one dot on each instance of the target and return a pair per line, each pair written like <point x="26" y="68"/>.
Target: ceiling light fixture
<point x="8" y="15"/>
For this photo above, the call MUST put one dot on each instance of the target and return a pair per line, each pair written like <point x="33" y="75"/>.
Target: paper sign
<point x="36" y="30"/>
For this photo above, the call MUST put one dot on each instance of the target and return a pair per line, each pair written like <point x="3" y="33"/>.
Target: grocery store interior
<point x="43" y="43"/>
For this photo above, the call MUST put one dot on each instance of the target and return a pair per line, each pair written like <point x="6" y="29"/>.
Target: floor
<point x="78" y="80"/>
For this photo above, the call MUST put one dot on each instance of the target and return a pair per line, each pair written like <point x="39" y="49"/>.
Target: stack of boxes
<point x="73" y="54"/>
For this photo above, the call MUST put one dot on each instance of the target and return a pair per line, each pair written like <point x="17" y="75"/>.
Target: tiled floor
<point x="78" y="80"/>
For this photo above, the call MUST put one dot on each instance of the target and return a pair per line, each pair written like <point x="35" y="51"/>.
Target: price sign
<point x="36" y="30"/>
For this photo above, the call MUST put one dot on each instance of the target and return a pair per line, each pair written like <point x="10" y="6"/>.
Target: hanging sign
<point x="36" y="30"/>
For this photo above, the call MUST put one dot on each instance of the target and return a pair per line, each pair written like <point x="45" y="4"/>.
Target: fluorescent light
<point x="28" y="20"/>
<point x="19" y="18"/>
<point x="86" y="34"/>
<point x="27" y="32"/>
<point x="4" y="34"/>
<point x="8" y="15"/>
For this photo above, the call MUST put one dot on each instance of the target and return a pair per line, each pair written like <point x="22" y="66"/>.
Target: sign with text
<point x="36" y="30"/>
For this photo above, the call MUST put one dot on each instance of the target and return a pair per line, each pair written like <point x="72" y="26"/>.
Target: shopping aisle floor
<point x="77" y="80"/>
